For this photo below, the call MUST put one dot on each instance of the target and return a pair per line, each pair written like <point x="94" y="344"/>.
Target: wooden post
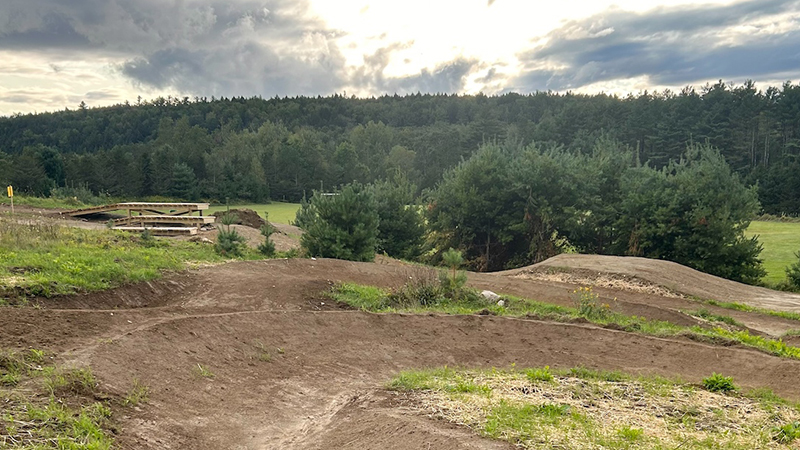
<point x="11" y="196"/>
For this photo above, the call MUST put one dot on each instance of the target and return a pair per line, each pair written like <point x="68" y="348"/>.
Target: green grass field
<point x="278" y="212"/>
<point x="781" y="240"/>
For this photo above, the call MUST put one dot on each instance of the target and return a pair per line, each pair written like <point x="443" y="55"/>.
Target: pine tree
<point x="184" y="183"/>
<point x="343" y="225"/>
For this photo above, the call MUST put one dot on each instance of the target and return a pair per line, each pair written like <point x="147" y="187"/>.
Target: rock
<point x="501" y="303"/>
<point x="491" y="296"/>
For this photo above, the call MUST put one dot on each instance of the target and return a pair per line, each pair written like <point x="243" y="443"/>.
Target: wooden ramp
<point x="161" y="231"/>
<point x="168" y="209"/>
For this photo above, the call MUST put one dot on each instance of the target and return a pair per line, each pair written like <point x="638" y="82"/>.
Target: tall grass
<point x="42" y="258"/>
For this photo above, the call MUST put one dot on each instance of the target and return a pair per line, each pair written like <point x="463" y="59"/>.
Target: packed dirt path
<point x="253" y="355"/>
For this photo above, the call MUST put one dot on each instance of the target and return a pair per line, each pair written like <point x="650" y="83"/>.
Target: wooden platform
<point x="184" y="220"/>
<point x="169" y="209"/>
<point x="161" y="231"/>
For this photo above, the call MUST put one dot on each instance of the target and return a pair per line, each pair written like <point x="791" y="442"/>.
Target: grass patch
<point x="780" y="241"/>
<point x="45" y="259"/>
<point x="735" y="306"/>
<point x="138" y="393"/>
<point x="373" y="299"/>
<point x="583" y="408"/>
<point x="50" y="407"/>
<point x="707" y="315"/>
<point x="278" y="212"/>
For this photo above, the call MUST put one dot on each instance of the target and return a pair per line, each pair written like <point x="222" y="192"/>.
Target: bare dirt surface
<point x="294" y="370"/>
<point x="672" y="276"/>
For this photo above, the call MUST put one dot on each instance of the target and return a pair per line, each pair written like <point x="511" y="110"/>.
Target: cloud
<point x="671" y="46"/>
<point x="206" y="47"/>
<point x="446" y="77"/>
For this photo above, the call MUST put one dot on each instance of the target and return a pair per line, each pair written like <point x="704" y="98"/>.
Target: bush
<point x="454" y="280"/>
<point x="401" y="228"/>
<point x="793" y="273"/>
<point x="719" y="383"/>
<point x="343" y="225"/>
<point x="267" y="248"/>
<point x="229" y="242"/>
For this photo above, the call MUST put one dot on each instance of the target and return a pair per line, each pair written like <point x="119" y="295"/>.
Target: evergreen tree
<point x="184" y="183"/>
<point x="343" y="225"/>
<point x="401" y="228"/>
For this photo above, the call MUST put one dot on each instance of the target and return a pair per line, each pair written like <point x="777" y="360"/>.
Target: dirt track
<point x="323" y="388"/>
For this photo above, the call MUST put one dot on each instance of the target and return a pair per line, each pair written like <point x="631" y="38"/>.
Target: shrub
<point x="793" y="273"/>
<point x="455" y="280"/>
<point x="719" y="383"/>
<point x="267" y="248"/>
<point x="342" y="226"/>
<point x="401" y="228"/>
<point x="229" y="241"/>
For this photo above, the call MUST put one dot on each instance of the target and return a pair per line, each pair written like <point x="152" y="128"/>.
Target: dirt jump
<point x="253" y="355"/>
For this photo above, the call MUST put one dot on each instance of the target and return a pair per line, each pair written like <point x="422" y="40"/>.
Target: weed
<point x="707" y="315"/>
<point x="138" y="393"/>
<point x="203" y="371"/>
<point x="719" y="383"/>
<point x="592" y="374"/>
<point x="542" y="374"/>
<point x="75" y="381"/>
<point x="630" y="434"/>
<point x="786" y="433"/>
<point x="588" y="304"/>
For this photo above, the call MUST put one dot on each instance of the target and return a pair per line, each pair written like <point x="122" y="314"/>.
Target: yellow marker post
<point x="11" y="196"/>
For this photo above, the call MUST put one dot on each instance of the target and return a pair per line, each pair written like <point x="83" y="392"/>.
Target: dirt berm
<point x="672" y="276"/>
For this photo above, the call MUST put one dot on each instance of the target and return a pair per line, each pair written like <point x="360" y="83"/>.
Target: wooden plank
<point x="180" y="208"/>
<point x="167" y="219"/>
<point x="161" y="231"/>
<point x="151" y="205"/>
<point x="91" y="210"/>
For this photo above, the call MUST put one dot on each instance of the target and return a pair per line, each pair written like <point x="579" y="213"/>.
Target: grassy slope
<point x="47" y="259"/>
<point x="278" y="212"/>
<point x="780" y="240"/>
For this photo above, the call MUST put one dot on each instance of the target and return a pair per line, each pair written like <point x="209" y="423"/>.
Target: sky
<point x="55" y="54"/>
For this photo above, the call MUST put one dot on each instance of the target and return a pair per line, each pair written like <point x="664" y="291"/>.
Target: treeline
<point x="510" y="205"/>
<point x="255" y="149"/>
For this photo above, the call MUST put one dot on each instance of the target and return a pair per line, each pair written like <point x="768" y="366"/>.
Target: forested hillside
<point x="255" y="149"/>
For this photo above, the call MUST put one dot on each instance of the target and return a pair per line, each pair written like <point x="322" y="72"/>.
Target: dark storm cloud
<point x="671" y="46"/>
<point x="206" y="47"/>
<point x="210" y="47"/>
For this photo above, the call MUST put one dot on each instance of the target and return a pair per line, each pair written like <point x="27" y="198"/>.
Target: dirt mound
<point x="244" y="216"/>
<point x="669" y="275"/>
